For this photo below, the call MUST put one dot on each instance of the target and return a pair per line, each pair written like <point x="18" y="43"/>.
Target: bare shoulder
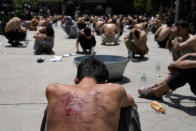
<point x="56" y="88"/>
<point x="116" y="88"/>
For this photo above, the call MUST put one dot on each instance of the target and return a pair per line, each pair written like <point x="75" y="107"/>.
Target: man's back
<point x="109" y="29"/>
<point x="84" y="107"/>
<point x="12" y="24"/>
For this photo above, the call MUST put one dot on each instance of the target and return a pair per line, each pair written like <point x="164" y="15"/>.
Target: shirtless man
<point x="142" y="25"/>
<point x="186" y="66"/>
<point x="44" y="40"/>
<point x="158" y="21"/>
<point x="135" y="42"/>
<point x="110" y="33"/>
<point x="98" y="26"/>
<point x="86" y="39"/>
<point x="34" y="22"/>
<point x="42" y="22"/>
<point x="182" y="70"/>
<point x="14" y="31"/>
<point x="188" y="41"/>
<point x="89" y="105"/>
<point x="81" y="23"/>
<point x="185" y="42"/>
<point x="165" y="34"/>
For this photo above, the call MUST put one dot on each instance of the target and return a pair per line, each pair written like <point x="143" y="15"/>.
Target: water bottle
<point x="130" y="56"/>
<point x="158" y="68"/>
<point x="143" y="80"/>
<point x="92" y="50"/>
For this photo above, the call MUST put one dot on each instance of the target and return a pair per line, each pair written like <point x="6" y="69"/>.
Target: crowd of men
<point x="102" y="105"/>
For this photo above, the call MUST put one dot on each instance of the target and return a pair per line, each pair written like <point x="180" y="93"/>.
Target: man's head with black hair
<point x="182" y="23"/>
<point x="130" y="22"/>
<point x="22" y="17"/>
<point x="183" y="28"/>
<point x="87" y="31"/>
<point x="169" y="22"/>
<point x="49" y="31"/>
<point x="92" y="68"/>
<point x="136" y="32"/>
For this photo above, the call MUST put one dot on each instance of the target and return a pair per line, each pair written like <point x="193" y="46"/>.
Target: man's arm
<point x="117" y="29"/>
<point x="185" y="64"/>
<point x="186" y="56"/>
<point x="158" y="31"/>
<point x="136" y="41"/>
<point x="102" y="29"/>
<point x="182" y="63"/>
<point x="40" y="36"/>
<point x="127" y="99"/>
<point x="189" y="42"/>
<point x="20" y="27"/>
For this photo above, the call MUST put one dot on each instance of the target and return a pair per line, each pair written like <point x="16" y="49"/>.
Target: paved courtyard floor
<point x="23" y="82"/>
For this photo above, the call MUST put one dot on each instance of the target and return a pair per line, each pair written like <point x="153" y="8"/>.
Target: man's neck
<point x="87" y="82"/>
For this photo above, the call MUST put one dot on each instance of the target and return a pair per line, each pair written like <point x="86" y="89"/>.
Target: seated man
<point x="142" y="25"/>
<point x="158" y="21"/>
<point x="14" y="31"/>
<point x="135" y="42"/>
<point x="97" y="26"/>
<point x="163" y="35"/>
<point x="182" y="71"/>
<point x="81" y="23"/>
<point x="34" y="23"/>
<point x="44" y="40"/>
<point x="110" y="33"/>
<point x="185" y="42"/>
<point x="86" y="39"/>
<point x="91" y="104"/>
<point x="42" y="22"/>
<point x="70" y="27"/>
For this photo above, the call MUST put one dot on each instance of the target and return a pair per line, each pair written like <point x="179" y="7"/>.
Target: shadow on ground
<point x="19" y="46"/>
<point x="137" y="59"/>
<point x="175" y="102"/>
<point x="109" y="44"/>
<point x="121" y="81"/>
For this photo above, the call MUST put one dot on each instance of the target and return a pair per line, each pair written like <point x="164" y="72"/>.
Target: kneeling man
<point x="89" y="105"/>
<point x="135" y="42"/>
<point x="44" y="40"/>
<point x="110" y="33"/>
<point x="14" y="31"/>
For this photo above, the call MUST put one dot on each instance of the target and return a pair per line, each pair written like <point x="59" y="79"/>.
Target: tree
<point x="139" y="4"/>
<point x="148" y="6"/>
<point x="63" y="3"/>
<point x="20" y="3"/>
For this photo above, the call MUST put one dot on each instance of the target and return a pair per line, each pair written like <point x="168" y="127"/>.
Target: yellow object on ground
<point x="157" y="106"/>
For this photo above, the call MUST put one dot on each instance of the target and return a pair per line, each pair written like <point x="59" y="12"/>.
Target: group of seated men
<point x="16" y="29"/>
<point x="93" y="111"/>
<point x="109" y="29"/>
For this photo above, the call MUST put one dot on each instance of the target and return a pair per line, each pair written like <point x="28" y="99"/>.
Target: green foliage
<point x="148" y="6"/>
<point x="139" y="4"/>
<point x="19" y="3"/>
<point x="33" y="3"/>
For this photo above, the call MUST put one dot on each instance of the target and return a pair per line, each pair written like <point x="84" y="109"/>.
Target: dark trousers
<point x="129" y="120"/>
<point x="15" y="36"/>
<point x="181" y="78"/>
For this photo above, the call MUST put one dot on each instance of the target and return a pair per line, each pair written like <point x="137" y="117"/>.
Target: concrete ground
<point x="23" y="82"/>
